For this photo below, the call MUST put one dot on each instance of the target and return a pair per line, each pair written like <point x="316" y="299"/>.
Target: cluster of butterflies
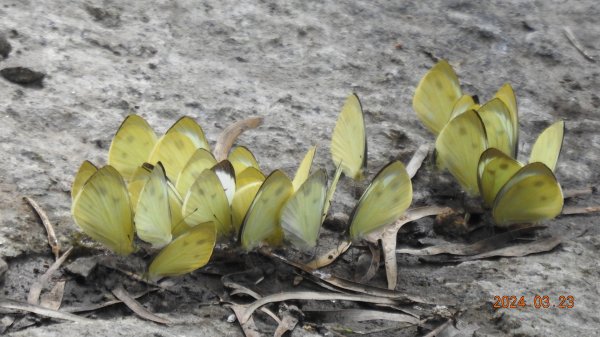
<point x="176" y="196"/>
<point x="478" y="145"/>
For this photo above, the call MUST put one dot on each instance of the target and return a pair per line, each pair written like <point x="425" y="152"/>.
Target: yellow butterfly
<point x="188" y="252"/>
<point x="198" y="162"/>
<point x="301" y="216"/>
<point x="177" y="146"/>
<point x="507" y="95"/>
<point x="383" y="202"/>
<point x="86" y="170"/>
<point x="207" y="201"/>
<point x="459" y="146"/>
<point x="304" y="168"/>
<point x="436" y="96"/>
<point x="247" y="184"/>
<point x="153" y="212"/>
<point x="241" y="158"/>
<point x="131" y="145"/>
<point x="464" y="103"/>
<point x="546" y="148"/>
<point x="520" y="194"/>
<point x="349" y="142"/>
<point x="261" y="224"/>
<point x="499" y="127"/>
<point x="101" y="209"/>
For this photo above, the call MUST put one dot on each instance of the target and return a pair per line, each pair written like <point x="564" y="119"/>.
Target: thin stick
<point x="580" y="210"/>
<point x="231" y="133"/>
<point x="136" y="307"/>
<point x="417" y="160"/>
<point x="312" y="296"/>
<point x="52" y="240"/>
<point x="37" y="286"/>
<point x="571" y="37"/>
<point x="10" y="304"/>
<point x="578" y="192"/>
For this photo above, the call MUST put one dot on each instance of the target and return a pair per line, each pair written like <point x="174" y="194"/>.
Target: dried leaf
<point x="487" y="244"/>
<point x="330" y="256"/>
<point x="361" y="315"/>
<point x="53" y="299"/>
<point x="37" y="286"/>
<point x="136" y="307"/>
<point x="288" y="322"/>
<point x="580" y="210"/>
<point x="52" y="240"/>
<point x="95" y="307"/>
<point x="538" y="246"/>
<point x="365" y="274"/>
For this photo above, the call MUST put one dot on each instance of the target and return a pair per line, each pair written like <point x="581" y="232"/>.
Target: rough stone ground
<point x="293" y="63"/>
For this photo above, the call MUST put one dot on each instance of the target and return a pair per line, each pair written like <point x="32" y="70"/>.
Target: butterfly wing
<point x="206" y="201"/>
<point x="304" y="168"/>
<point x="464" y="103"/>
<point x="262" y="220"/>
<point x="349" y="142"/>
<point x="102" y="210"/>
<point x="131" y="145"/>
<point x="198" y="162"/>
<point x="459" y="146"/>
<point x="383" y="202"/>
<point x="188" y="127"/>
<point x="546" y="148"/>
<point x="241" y="158"/>
<point x="247" y="184"/>
<point x="331" y="192"/>
<point x="532" y="195"/>
<point x="188" y="252"/>
<point x="226" y="174"/>
<point x="86" y="170"/>
<point x="173" y="150"/>
<point x="301" y="217"/>
<point x="436" y="95"/>
<point x="494" y="170"/>
<point x="153" y="213"/>
<point x="507" y="95"/>
<point x="498" y="126"/>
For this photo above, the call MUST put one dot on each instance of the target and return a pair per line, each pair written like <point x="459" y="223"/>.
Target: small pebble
<point x="5" y="46"/>
<point x="22" y="75"/>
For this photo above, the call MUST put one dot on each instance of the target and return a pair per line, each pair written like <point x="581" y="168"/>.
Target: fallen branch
<point x="52" y="240"/>
<point x="417" y="160"/>
<point x="231" y="133"/>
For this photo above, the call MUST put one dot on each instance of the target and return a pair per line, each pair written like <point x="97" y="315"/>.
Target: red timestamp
<point x="537" y="302"/>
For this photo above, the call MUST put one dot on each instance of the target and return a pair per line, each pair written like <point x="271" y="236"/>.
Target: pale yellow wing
<point x="507" y="95"/>
<point x="498" y="126"/>
<point x="131" y="145"/>
<point x="226" y="174"/>
<point x="86" y="170"/>
<point x="532" y="195"/>
<point x="436" y="95"/>
<point x="173" y="150"/>
<point x="548" y="144"/>
<point x="494" y="170"/>
<point x="135" y="185"/>
<point x="198" y="162"/>
<point x="304" y="168"/>
<point x="187" y="126"/>
<point x="349" y="142"/>
<point x="188" y="252"/>
<point x="178" y="224"/>
<point x="242" y="158"/>
<point x="464" y="103"/>
<point x="102" y="210"/>
<point x="331" y="192"/>
<point x="383" y="202"/>
<point x="206" y="201"/>
<point x="459" y="146"/>
<point x="247" y="184"/>
<point x="261" y="223"/>
<point x="301" y="216"/>
<point x="153" y="213"/>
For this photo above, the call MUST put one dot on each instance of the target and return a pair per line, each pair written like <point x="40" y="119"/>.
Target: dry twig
<point x="136" y="307"/>
<point x="231" y="133"/>
<point x="52" y="240"/>
<point x="37" y="286"/>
